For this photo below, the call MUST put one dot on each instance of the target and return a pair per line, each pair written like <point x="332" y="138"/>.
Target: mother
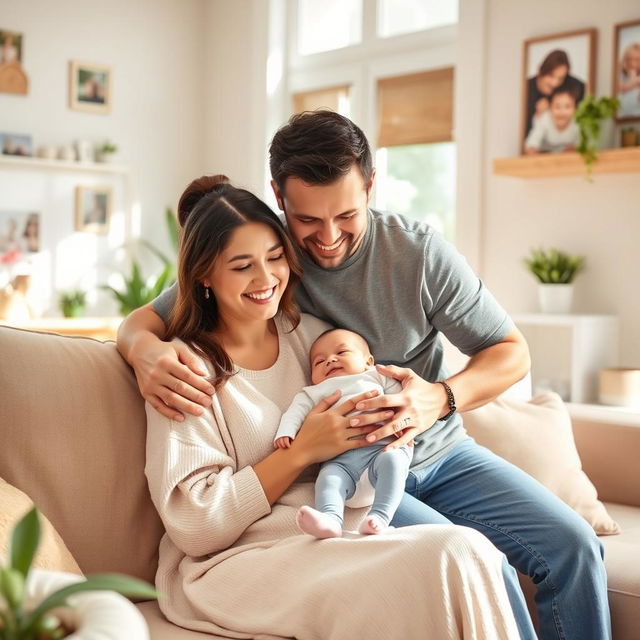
<point x="232" y="561"/>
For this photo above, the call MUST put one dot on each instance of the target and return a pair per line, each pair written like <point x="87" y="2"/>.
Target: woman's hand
<point x="416" y="407"/>
<point x="326" y="432"/>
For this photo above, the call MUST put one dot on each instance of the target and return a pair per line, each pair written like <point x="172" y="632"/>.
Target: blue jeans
<point x="539" y="534"/>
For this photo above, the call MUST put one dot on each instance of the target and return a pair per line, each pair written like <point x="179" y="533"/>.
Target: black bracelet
<point x="451" y="401"/>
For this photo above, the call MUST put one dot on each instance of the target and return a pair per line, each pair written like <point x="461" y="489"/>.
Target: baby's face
<point x="563" y="106"/>
<point x="338" y="353"/>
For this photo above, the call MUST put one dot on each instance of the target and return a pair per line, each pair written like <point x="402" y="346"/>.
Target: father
<point x="398" y="283"/>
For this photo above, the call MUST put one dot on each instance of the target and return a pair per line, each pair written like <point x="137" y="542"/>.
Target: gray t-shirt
<point x="403" y="285"/>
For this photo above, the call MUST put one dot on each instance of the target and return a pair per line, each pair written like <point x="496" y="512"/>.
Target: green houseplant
<point x="589" y="116"/>
<point x="105" y="151"/>
<point x="41" y="623"/>
<point x="555" y="271"/>
<point x="72" y="303"/>
<point x="137" y="290"/>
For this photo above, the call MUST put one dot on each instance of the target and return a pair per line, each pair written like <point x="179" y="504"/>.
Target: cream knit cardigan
<point x="233" y="566"/>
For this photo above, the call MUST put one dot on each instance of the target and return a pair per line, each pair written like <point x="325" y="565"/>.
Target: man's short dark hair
<point x="318" y="147"/>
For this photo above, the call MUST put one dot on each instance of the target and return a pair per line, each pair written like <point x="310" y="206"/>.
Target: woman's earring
<point x="206" y="293"/>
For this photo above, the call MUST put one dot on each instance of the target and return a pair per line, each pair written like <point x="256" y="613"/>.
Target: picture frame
<point x="553" y="63"/>
<point x="626" y="69"/>
<point x="13" y="78"/>
<point x="16" y="144"/>
<point x="89" y="87"/>
<point x="93" y="209"/>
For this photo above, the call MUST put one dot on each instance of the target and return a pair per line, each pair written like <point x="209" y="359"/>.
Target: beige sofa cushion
<point x="72" y="427"/>
<point x="537" y="437"/>
<point x="52" y="552"/>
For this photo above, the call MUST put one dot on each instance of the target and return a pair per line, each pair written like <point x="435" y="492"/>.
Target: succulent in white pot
<point x="555" y="271"/>
<point x="51" y="605"/>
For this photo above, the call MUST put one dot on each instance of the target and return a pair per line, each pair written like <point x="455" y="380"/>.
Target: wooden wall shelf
<point x="553" y="165"/>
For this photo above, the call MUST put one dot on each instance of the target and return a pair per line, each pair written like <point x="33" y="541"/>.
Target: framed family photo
<point x="13" y="79"/>
<point x="15" y="144"/>
<point x="93" y="209"/>
<point x="626" y="69"/>
<point x="558" y="72"/>
<point x="89" y="87"/>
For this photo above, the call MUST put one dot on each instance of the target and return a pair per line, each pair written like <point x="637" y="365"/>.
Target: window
<point x="396" y="17"/>
<point x="416" y="160"/>
<point x="328" y="25"/>
<point x="335" y="98"/>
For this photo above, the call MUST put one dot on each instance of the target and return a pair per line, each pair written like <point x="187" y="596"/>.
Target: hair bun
<point x="195" y="191"/>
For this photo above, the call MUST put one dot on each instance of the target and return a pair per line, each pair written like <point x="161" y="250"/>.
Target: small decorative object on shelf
<point x="590" y="116"/>
<point x="42" y="620"/>
<point x="629" y="137"/>
<point x="555" y="271"/>
<point x="619" y="387"/>
<point x="105" y="151"/>
<point x="73" y="302"/>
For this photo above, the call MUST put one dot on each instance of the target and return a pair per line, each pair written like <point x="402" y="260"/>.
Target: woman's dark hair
<point x="318" y="147"/>
<point x="557" y="58"/>
<point x="209" y="211"/>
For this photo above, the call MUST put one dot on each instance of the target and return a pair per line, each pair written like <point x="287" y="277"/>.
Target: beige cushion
<point x="52" y="552"/>
<point x="73" y="431"/>
<point x="537" y="437"/>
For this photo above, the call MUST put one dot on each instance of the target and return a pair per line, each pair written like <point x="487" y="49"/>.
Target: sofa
<point x="72" y="427"/>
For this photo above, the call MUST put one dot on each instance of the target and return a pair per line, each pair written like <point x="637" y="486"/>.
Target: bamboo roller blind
<point x="415" y="108"/>
<point x="328" y="98"/>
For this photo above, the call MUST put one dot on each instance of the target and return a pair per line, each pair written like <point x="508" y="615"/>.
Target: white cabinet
<point x="567" y="351"/>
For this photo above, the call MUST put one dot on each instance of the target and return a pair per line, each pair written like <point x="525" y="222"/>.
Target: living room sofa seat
<point x="72" y="427"/>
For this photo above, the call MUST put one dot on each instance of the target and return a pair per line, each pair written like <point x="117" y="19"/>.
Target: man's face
<point x="327" y="221"/>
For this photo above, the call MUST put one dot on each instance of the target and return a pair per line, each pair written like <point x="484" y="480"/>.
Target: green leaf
<point x="124" y="585"/>
<point x="24" y="542"/>
<point x="12" y="587"/>
<point x="174" y="229"/>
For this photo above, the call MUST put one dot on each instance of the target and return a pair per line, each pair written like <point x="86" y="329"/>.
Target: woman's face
<point x="250" y="275"/>
<point x="552" y="80"/>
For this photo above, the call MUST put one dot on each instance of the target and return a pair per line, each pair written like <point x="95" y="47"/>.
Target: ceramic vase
<point x="555" y="298"/>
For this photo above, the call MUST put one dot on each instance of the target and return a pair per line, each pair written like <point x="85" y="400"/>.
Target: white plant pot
<point x="555" y="298"/>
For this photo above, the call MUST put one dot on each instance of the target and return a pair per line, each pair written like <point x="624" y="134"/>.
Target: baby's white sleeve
<point x="294" y="416"/>
<point x="536" y="135"/>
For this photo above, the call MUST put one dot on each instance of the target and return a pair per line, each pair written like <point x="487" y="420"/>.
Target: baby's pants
<point x="388" y="470"/>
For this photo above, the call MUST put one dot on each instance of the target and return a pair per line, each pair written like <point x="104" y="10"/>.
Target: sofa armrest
<point x="610" y="454"/>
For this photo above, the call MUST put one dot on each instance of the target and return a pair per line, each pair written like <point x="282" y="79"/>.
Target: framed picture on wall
<point x="89" y="87"/>
<point x="93" y="209"/>
<point x="15" y="144"/>
<point x="13" y="79"/>
<point x="626" y="69"/>
<point x="558" y="72"/>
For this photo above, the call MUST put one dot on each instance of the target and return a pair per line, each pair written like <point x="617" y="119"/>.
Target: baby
<point x="555" y="130"/>
<point x="341" y="359"/>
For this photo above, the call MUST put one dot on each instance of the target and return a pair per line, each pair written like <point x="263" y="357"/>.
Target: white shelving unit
<point x="19" y="162"/>
<point x="567" y="351"/>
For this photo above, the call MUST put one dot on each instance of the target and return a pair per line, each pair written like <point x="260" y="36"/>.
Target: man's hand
<point x="170" y="377"/>
<point x="417" y="407"/>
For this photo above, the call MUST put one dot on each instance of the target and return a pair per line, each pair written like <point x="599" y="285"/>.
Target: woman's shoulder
<point x="308" y="329"/>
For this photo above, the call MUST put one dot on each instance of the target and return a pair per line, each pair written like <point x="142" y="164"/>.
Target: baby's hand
<point x="282" y="443"/>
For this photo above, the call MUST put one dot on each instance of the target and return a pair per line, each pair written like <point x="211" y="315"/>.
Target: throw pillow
<point x="52" y="552"/>
<point x="537" y="437"/>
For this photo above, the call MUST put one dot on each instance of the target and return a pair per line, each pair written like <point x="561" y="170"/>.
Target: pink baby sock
<point x="372" y="525"/>
<point x="317" y="524"/>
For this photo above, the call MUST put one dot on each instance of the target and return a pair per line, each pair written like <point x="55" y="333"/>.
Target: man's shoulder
<point x="397" y="225"/>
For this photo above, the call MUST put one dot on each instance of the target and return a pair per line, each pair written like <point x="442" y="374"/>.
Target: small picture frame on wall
<point x="93" y="209"/>
<point x="626" y="69"/>
<point x="89" y="87"/>
<point x="558" y="72"/>
<point x="13" y="78"/>
<point x="15" y="144"/>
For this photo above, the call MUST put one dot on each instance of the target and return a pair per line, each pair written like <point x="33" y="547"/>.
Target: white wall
<point x="156" y="51"/>
<point x="600" y="220"/>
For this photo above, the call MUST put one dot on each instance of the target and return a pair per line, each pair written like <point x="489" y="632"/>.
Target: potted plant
<point x="589" y="116"/>
<point x="555" y="271"/>
<point x="72" y="303"/>
<point x="105" y="151"/>
<point x="22" y="620"/>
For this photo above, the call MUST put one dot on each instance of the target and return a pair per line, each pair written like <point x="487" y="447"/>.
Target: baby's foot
<point x="372" y="525"/>
<point x="317" y="524"/>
